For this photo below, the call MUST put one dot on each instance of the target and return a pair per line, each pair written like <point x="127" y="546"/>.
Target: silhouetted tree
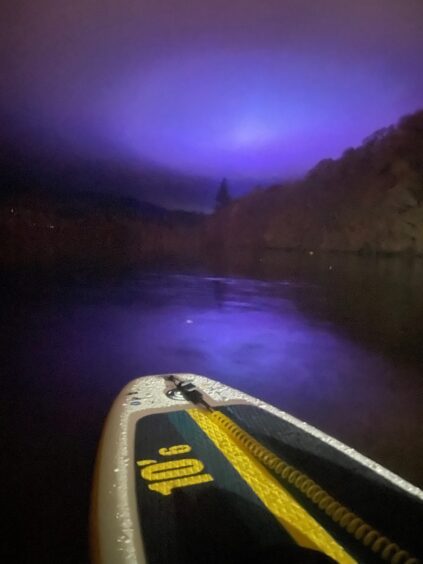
<point x="223" y="197"/>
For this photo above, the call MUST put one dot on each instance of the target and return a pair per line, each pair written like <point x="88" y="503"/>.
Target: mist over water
<point x="335" y="341"/>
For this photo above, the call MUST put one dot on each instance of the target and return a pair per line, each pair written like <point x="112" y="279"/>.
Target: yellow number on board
<point x="173" y="473"/>
<point x="177" y="449"/>
<point x="172" y="469"/>
<point x="166" y="487"/>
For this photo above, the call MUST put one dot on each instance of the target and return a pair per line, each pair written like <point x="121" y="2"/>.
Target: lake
<point x="336" y="341"/>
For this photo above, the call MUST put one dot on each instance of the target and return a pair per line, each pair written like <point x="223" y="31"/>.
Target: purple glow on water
<point x="73" y="346"/>
<point x="246" y="333"/>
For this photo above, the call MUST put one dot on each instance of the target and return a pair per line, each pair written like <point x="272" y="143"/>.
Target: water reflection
<point x="336" y="342"/>
<point x="376" y="299"/>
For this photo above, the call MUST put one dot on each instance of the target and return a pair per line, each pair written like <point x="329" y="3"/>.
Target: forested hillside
<point x="369" y="200"/>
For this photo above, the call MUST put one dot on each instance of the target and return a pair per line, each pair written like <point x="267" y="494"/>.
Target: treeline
<point x="36" y="231"/>
<point x="368" y="201"/>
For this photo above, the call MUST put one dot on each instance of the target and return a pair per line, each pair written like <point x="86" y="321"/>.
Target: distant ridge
<point x="24" y="168"/>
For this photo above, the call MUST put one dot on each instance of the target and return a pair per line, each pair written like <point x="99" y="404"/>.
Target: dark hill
<point x="369" y="200"/>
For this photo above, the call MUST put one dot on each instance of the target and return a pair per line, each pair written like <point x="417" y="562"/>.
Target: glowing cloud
<point x="248" y="113"/>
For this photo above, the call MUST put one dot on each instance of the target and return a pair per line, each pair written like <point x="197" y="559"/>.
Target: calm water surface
<point x="337" y="342"/>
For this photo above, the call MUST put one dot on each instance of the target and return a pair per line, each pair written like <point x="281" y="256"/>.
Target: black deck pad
<point x="383" y="505"/>
<point x="222" y="520"/>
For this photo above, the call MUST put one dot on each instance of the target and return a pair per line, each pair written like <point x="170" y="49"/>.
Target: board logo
<point x="171" y="474"/>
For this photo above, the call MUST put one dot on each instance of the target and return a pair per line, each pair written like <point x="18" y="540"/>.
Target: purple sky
<point x="243" y="89"/>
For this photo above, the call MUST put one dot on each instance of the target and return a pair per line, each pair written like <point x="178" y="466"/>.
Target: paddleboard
<point x="190" y="470"/>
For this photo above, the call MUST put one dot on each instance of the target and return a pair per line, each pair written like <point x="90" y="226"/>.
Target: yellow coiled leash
<point x="344" y="517"/>
<point x="348" y="520"/>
